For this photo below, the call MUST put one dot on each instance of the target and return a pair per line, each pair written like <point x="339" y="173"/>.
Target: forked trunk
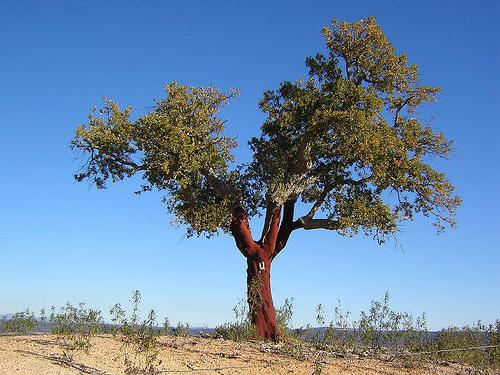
<point x="260" y="299"/>
<point x="259" y="255"/>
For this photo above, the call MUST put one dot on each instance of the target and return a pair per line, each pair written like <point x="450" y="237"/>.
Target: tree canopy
<point x="347" y="140"/>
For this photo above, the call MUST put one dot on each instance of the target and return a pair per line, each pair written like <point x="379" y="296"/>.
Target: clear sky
<point x="61" y="241"/>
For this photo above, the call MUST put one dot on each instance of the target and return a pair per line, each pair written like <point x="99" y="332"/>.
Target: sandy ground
<point x="40" y="355"/>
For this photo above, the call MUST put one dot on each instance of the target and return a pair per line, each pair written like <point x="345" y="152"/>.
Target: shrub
<point x="383" y="327"/>
<point x="284" y="316"/>
<point x="74" y="327"/>
<point x="140" y="338"/>
<point x="182" y="330"/>
<point x="242" y="329"/>
<point x="21" y="323"/>
<point x="494" y="339"/>
<point x="462" y="338"/>
<point x="167" y="330"/>
<point x="340" y="333"/>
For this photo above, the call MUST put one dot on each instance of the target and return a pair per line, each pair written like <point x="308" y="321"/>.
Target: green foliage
<point x="139" y="338"/>
<point x="167" y="330"/>
<point x="284" y="316"/>
<point x="350" y="132"/>
<point x="181" y="330"/>
<point x="240" y="330"/>
<point x="340" y="334"/>
<point x="179" y="147"/>
<point x="21" y="323"/>
<point x="347" y="139"/>
<point x="470" y="337"/>
<point x="494" y="339"/>
<point x="253" y="294"/>
<point x="383" y="327"/>
<point x="318" y="368"/>
<point x="74" y="327"/>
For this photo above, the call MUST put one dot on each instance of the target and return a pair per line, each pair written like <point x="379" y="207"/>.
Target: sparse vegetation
<point x="474" y="336"/>
<point x="240" y="330"/>
<point x="383" y="327"/>
<point x="181" y="330"/>
<point x="284" y="316"/>
<point x="74" y="327"/>
<point x="139" y="338"/>
<point x="20" y="323"/>
<point x="380" y="332"/>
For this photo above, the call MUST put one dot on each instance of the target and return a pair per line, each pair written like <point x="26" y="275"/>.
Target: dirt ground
<point x="40" y="355"/>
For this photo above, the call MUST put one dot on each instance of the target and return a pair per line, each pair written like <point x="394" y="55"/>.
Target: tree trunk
<point x="259" y="255"/>
<point x="260" y="300"/>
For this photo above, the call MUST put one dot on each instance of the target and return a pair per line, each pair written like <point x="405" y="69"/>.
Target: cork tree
<point x="346" y="144"/>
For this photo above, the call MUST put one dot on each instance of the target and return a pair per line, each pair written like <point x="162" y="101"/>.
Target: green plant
<point x="21" y="323"/>
<point x="167" y="330"/>
<point x="240" y="330"/>
<point x="318" y="368"/>
<point x="139" y="338"/>
<point x="340" y="333"/>
<point x="415" y="336"/>
<point x="74" y="327"/>
<point x="181" y="330"/>
<point x="284" y="316"/>
<point x="339" y="141"/>
<point x="463" y="338"/>
<point x="494" y="339"/>
<point x="383" y="327"/>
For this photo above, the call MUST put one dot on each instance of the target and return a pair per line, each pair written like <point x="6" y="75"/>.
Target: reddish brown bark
<point x="260" y="298"/>
<point x="259" y="256"/>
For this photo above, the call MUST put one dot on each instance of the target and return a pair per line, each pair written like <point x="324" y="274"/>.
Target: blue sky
<point x="62" y="241"/>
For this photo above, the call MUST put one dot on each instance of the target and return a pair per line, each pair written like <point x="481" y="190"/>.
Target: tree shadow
<point x="64" y="362"/>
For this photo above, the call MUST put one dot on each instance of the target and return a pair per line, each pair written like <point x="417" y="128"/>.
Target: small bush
<point x="462" y="338"/>
<point x="494" y="339"/>
<point x="167" y="330"/>
<point x="242" y="329"/>
<point x="74" y="327"/>
<point x="140" y="338"/>
<point x="340" y="333"/>
<point x="21" y="323"/>
<point x="284" y="316"/>
<point x="383" y="327"/>
<point x="182" y="330"/>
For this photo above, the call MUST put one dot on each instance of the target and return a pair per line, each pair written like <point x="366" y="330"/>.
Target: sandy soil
<point x="40" y="355"/>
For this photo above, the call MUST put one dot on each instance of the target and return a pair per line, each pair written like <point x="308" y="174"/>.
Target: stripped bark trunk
<point x="259" y="256"/>
<point x="260" y="300"/>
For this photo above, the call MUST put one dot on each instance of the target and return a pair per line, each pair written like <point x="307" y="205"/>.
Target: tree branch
<point x="286" y="227"/>
<point x="240" y="229"/>
<point x="309" y="224"/>
<point x="399" y="108"/>
<point x="271" y="228"/>
<point x="317" y="204"/>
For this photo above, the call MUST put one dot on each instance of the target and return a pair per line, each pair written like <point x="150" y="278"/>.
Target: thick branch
<point x="271" y="228"/>
<point x="308" y="224"/>
<point x="287" y="226"/>
<point x="240" y="229"/>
